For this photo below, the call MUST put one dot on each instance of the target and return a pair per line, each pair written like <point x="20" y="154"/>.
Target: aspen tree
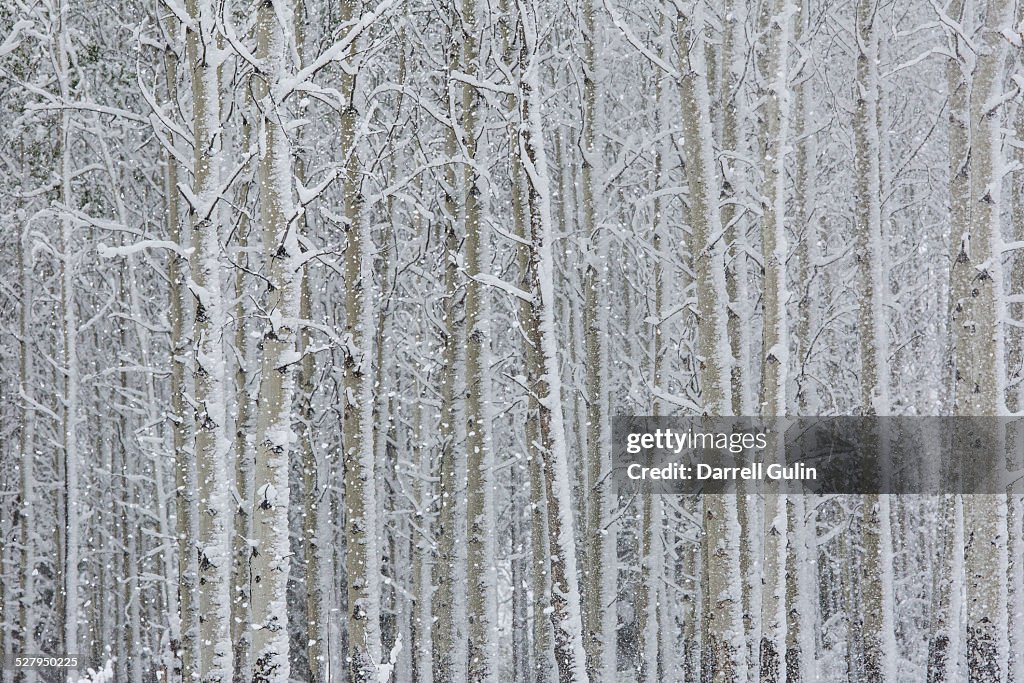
<point x="422" y="619"/>
<point x="449" y="663"/>
<point x="243" y="446"/>
<point x="277" y="355"/>
<point x="722" y="641"/>
<point x="210" y="438"/>
<point x="875" y="621"/>
<point x="980" y="370"/>
<point x="67" y="594"/>
<point x="650" y="612"/>
<point x="313" y="523"/>
<point x="185" y="623"/>
<point x="481" y="579"/>
<point x="944" y="645"/>
<point x="26" y="450"/>
<point x="538" y="556"/>
<point x="599" y="542"/>
<point x="801" y="545"/>
<point x="775" y="373"/>
<point x="733" y="113"/>
<point x="361" y="553"/>
<point x="545" y="377"/>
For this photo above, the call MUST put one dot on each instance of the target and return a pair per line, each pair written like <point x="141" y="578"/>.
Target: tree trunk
<point x="274" y="435"/>
<point x="598" y="571"/>
<point x="481" y="579"/>
<point x="878" y="629"/>
<point x="980" y="386"/>
<point x="362" y="562"/>
<point x="723" y="641"/>
<point x="68" y="524"/>
<point x="211" y="443"/>
<point x="545" y="378"/>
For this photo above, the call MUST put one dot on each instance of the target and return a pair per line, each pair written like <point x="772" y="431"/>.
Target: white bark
<point x="482" y="606"/>
<point x="599" y="538"/>
<point x="278" y="355"/>
<point x="981" y="374"/>
<point x="211" y="442"/>
<point x="67" y="597"/>
<point x="565" y="596"/>
<point x="362" y="560"/>
<point x="723" y="641"/>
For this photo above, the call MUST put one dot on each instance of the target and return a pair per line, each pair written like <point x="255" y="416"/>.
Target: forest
<point x="315" y="316"/>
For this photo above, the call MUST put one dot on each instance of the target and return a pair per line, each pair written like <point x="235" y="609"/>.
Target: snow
<point x="102" y="675"/>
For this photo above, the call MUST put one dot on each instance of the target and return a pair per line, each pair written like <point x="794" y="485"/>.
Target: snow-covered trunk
<point x="723" y="642"/>
<point x="68" y="527"/>
<point x="211" y="444"/>
<point x="274" y="438"/>
<point x="800" y="592"/>
<point x="690" y="612"/>
<point x="876" y="615"/>
<point x="124" y="481"/>
<point x="775" y="365"/>
<point x="362" y="562"/>
<point x="944" y="644"/>
<point x="421" y="618"/>
<point x="24" y="627"/>
<point x="806" y="224"/>
<point x="598" y="571"/>
<point x="481" y="605"/>
<point x="772" y="666"/>
<point x="801" y="557"/>
<point x="980" y="388"/>
<point x="243" y="446"/>
<point x="648" y="609"/>
<point x="313" y="522"/>
<point x="868" y="220"/>
<point x="545" y="379"/>
<point x="184" y="625"/>
<point x="446" y="639"/>
<point x="775" y="373"/>
<point x="733" y="113"/>
<point x="538" y="592"/>
<point x="361" y="554"/>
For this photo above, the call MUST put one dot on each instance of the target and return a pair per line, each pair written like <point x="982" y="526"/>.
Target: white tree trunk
<point x="482" y="606"/>
<point x="980" y="388"/>
<point x="274" y="435"/>
<point x="599" y="541"/>
<point x="67" y="532"/>
<point x="362" y="561"/>
<point x="211" y="442"/>
<point x="565" y="596"/>
<point x="723" y="641"/>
